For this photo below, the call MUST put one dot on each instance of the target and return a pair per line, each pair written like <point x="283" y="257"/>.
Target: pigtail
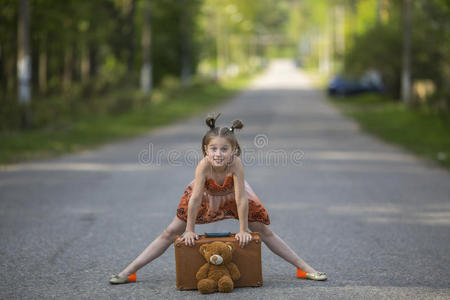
<point x="227" y="132"/>
<point x="211" y="121"/>
<point x="237" y="124"/>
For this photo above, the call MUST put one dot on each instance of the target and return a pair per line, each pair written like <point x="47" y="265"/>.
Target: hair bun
<point x="211" y="121"/>
<point x="237" y="124"/>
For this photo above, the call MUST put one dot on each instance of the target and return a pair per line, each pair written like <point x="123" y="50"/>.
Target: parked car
<point x="369" y="83"/>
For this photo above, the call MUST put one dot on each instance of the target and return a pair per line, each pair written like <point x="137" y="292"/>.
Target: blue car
<point x="369" y="83"/>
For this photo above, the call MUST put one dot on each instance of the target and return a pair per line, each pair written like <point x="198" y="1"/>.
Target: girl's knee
<point x="172" y="231"/>
<point x="267" y="232"/>
<point x="262" y="229"/>
<point x="169" y="233"/>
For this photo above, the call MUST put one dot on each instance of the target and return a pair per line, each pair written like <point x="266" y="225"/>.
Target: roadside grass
<point x="418" y="129"/>
<point x="88" y="129"/>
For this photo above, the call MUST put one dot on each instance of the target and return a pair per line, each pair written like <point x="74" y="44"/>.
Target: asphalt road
<point x="375" y="218"/>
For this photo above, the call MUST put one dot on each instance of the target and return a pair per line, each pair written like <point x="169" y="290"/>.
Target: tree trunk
<point x="185" y="45"/>
<point x="67" y="75"/>
<point x="43" y="67"/>
<point x="146" y="69"/>
<point x="219" y="51"/>
<point x="24" y="61"/>
<point x="353" y="19"/>
<point x="93" y="64"/>
<point x="10" y="76"/>
<point x="379" y="11"/>
<point x="406" y="68"/>
<point x="23" y="53"/>
<point x="130" y="11"/>
<point x="85" y="63"/>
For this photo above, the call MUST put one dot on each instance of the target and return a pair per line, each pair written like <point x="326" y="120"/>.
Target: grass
<point x="420" y="130"/>
<point x="90" y="129"/>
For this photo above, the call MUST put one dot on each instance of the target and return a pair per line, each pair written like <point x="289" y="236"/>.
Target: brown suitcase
<point x="248" y="259"/>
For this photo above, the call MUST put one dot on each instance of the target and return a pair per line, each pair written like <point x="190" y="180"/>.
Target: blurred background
<point x="75" y="73"/>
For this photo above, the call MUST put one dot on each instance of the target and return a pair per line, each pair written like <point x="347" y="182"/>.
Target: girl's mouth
<point x="218" y="160"/>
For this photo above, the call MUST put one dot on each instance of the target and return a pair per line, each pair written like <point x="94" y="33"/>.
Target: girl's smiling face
<point x="219" y="151"/>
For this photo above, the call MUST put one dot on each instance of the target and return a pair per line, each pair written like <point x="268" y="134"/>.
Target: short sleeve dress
<point x="218" y="202"/>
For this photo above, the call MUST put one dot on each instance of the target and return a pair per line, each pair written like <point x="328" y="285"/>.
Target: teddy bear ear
<point x="202" y="249"/>
<point x="231" y="246"/>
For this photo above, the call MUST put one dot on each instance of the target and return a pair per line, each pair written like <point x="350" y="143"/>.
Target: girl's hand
<point x="189" y="238"/>
<point x="244" y="238"/>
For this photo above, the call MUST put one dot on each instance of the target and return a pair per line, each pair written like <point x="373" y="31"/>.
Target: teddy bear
<point x="218" y="273"/>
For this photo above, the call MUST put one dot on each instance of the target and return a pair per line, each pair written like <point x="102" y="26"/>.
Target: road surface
<point x="373" y="217"/>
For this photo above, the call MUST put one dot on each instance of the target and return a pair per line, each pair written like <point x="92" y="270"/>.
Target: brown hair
<point x="225" y="132"/>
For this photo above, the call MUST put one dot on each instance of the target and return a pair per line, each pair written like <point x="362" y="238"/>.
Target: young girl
<point x="205" y="200"/>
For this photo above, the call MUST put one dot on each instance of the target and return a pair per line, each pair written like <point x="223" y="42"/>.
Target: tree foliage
<point x="354" y="36"/>
<point x="380" y="47"/>
<point x="82" y="49"/>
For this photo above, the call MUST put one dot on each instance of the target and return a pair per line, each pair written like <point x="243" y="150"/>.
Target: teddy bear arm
<point x="234" y="271"/>
<point x="202" y="273"/>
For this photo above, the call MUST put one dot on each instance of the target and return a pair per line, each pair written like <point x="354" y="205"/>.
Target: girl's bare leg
<point x="157" y="247"/>
<point x="279" y="247"/>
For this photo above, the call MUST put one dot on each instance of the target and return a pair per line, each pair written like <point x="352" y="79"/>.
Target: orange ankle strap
<point x="301" y="273"/>
<point x="132" y="277"/>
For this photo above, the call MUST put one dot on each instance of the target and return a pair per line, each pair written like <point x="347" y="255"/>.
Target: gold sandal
<point x="116" y="279"/>
<point x="312" y="276"/>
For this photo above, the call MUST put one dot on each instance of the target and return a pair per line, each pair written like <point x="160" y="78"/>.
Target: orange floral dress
<point x="218" y="203"/>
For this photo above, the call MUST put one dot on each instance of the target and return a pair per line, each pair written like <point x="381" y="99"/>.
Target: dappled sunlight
<point x="354" y="155"/>
<point x="393" y="214"/>
<point x="355" y="209"/>
<point x="409" y="220"/>
<point x="287" y="206"/>
<point x="88" y="167"/>
<point x="335" y="167"/>
<point x="437" y="214"/>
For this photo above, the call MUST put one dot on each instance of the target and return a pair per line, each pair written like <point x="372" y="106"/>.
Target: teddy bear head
<point x="217" y="253"/>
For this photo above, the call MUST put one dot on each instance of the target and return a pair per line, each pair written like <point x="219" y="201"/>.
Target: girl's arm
<point x="194" y="203"/>
<point x="242" y="202"/>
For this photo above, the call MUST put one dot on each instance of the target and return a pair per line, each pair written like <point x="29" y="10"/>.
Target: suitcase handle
<point x="217" y="234"/>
